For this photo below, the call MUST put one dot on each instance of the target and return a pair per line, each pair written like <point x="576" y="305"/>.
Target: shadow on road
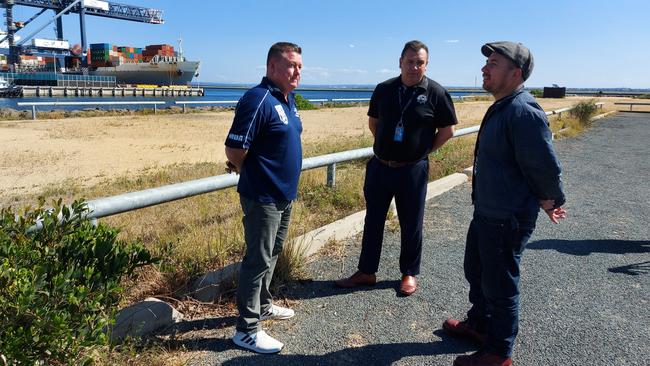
<point x="200" y="324"/>
<point x="374" y="354"/>
<point x="634" y="269"/>
<point x="312" y="289"/>
<point x="587" y="247"/>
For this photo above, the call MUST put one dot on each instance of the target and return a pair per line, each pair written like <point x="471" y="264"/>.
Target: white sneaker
<point x="259" y="342"/>
<point x="277" y="313"/>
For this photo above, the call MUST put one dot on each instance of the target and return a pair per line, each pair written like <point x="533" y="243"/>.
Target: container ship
<point x="154" y="65"/>
<point x="107" y="66"/>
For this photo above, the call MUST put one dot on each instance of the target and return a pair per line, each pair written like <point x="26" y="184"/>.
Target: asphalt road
<point x="585" y="282"/>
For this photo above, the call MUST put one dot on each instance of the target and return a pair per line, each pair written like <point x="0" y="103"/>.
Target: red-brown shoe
<point x="408" y="285"/>
<point x="462" y="329"/>
<point x="357" y="279"/>
<point x="482" y="359"/>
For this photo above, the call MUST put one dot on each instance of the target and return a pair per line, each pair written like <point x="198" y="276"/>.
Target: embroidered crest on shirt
<point x="422" y="99"/>
<point x="283" y="116"/>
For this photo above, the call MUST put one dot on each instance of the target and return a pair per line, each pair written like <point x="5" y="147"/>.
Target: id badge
<point x="399" y="134"/>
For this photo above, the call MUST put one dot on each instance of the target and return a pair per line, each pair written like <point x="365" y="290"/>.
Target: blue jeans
<point x="265" y="229"/>
<point x="492" y="255"/>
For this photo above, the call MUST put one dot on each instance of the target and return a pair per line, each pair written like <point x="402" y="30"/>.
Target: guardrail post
<point x="184" y="107"/>
<point x="155" y="109"/>
<point x="331" y="175"/>
<point x="33" y="112"/>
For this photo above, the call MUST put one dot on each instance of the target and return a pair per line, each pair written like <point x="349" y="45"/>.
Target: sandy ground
<point x="35" y="154"/>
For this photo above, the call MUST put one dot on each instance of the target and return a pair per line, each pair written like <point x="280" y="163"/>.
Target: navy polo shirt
<point x="269" y="128"/>
<point x="423" y="108"/>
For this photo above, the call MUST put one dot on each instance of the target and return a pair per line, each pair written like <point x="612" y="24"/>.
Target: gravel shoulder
<point x="585" y="282"/>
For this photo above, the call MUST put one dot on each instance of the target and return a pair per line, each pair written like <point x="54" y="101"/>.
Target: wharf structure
<point x="125" y="91"/>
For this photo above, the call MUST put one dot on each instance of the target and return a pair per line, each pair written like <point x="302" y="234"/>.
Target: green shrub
<point x="583" y="111"/>
<point x="302" y="103"/>
<point x="60" y="284"/>
<point x="537" y="93"/>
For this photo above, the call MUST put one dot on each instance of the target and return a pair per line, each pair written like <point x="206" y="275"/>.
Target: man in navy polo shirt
<point x="409" y="116"/>
<point x="263" y="146"/>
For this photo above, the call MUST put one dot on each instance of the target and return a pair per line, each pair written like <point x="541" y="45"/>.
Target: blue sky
<point x="576" y="43"/>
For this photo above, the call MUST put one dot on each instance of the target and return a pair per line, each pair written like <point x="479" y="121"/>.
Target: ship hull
<point x="159" y="73"/>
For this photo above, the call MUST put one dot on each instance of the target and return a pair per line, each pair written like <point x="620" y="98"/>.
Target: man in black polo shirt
<point x="409" y="116"/>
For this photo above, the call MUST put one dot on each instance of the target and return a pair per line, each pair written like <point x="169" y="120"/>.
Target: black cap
<point x="516" y="52"/>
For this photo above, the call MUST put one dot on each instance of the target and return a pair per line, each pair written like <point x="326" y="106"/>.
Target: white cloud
<point x="353" y="71"/>
<point x="452" y="41"/>
<point x="351" y="46"/>
<point x="316" y="72"/>
<point x="260" y="67"/>
<point x="386" y="71"/>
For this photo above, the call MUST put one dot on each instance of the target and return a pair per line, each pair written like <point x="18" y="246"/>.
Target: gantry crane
<point x="105" y="9"/>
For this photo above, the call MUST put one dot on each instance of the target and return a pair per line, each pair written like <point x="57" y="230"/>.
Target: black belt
<point x="396" y="164"/>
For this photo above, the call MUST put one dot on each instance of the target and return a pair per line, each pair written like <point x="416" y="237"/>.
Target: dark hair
<point x="281" y="47"/>
<point x="414" y="45"/>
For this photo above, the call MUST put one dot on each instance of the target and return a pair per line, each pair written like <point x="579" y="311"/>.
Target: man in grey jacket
<point x="516" y="172"/>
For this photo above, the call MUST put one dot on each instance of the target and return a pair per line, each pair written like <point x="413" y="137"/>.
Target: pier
<point x="70" y="91"/>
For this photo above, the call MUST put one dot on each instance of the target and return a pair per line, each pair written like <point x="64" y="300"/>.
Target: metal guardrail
<point x="34" y="104"/>
<point x="232" y="102"/>
<point x="348" y="100"/>
<point x="185" y="102"/>
<point x="567" y="109"/>
<point x="631" y="104"/>
<point x="108" y="206"/>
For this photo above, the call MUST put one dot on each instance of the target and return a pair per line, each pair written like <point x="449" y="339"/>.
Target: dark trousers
<point x="265" y="229"/>
<point x="492" y="255"/>
<point x="408" y="184"/>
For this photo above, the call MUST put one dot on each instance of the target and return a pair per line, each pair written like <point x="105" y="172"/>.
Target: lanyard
<point x="399" y="128"/>
<point x="408" y="103"/>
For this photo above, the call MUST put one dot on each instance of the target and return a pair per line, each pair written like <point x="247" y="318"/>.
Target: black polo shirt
<point x="424" y="108"/>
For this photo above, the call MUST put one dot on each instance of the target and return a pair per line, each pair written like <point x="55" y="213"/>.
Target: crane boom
<point x="115" y="11"/>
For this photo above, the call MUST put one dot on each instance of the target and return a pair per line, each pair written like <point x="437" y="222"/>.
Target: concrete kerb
<point x="154" y="314"/>
<point x="600" y="116"/>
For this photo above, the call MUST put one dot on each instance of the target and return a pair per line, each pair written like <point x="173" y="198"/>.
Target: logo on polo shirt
<point x="281" y="114"/>
<point x="422" y="99"/>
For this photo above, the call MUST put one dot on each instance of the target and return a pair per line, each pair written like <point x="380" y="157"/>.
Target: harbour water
<point x="211" y="94"/>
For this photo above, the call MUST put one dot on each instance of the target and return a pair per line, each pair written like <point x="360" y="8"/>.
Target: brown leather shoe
<point x="357" y="279"/>
<point x="408" y="286"/>
<point x="482" y="359"/>
<point x="462" y="329"/>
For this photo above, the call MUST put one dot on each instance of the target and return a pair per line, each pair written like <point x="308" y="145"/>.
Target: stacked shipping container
<point x="38" y="62"/>
<point x="106" y="55"/>
<point x="157" y="50"/>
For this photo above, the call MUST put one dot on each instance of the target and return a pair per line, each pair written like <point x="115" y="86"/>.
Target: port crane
<point x="105" y="9"/>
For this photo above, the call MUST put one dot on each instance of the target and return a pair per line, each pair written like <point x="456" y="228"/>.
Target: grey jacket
<point x="515" y="165"/>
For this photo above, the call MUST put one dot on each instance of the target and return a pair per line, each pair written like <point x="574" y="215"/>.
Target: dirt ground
<point x="35" y="154"/>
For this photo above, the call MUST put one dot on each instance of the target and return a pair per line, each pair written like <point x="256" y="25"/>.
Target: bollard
<point x="331" y="175"/>
<point x="34" y="112"/>
<point x="155" y="109"/>
<point x="184" y="104"/>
